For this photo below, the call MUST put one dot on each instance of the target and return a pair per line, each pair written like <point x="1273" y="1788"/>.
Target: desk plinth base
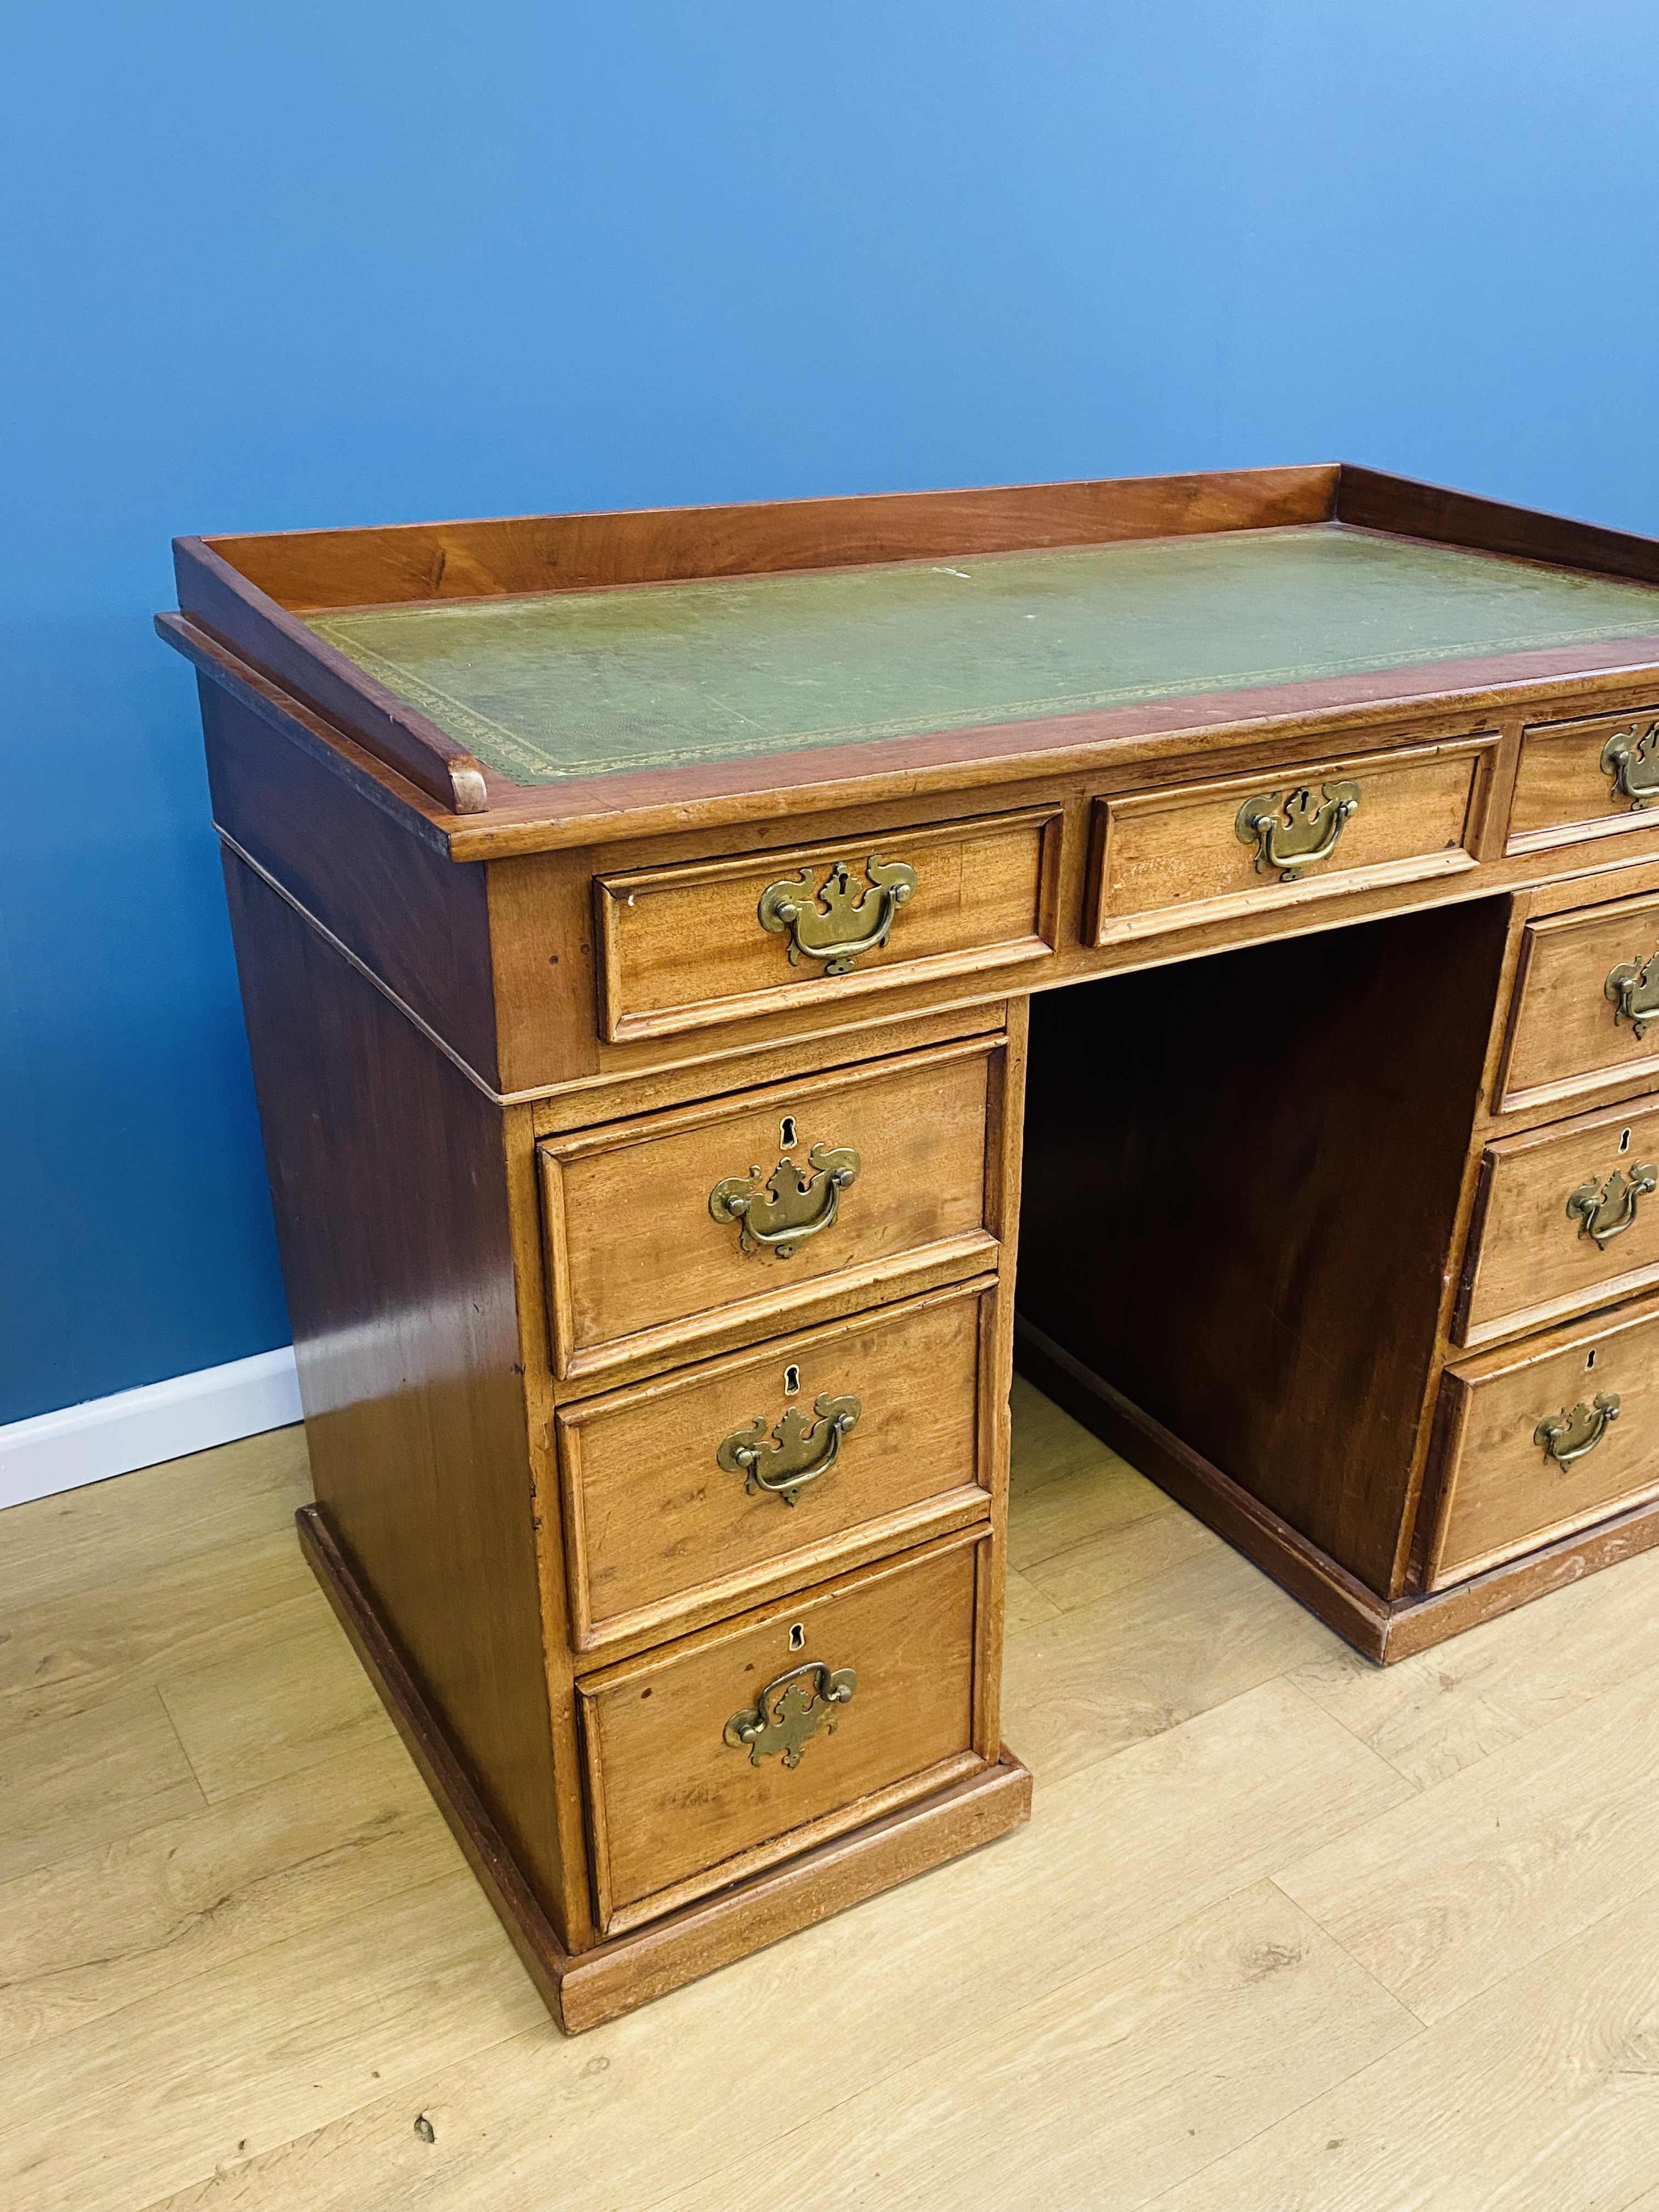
<point x="1382" y="1629"/>
<point x="582" y="1990"/>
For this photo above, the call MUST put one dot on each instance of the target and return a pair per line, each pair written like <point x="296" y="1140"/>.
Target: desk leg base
<point x="1383" y="1629"/>
<point x="582" y="1990"/>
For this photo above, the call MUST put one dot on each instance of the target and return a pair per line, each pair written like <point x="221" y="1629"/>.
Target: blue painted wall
<point x="369" y="263"/>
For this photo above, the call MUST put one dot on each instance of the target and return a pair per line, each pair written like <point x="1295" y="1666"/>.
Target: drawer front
<point x="1567" y="1217"/>
<point x="1593" y="778"/>
<point x="724" y="940"/>
<point x="1204" y="853"/>
<point x="1586" y="1004"/>
<point x="1545" y="1438"/>
<point x="737" y="1218"/>
<point x="688" y="1489"/>
<point x="855" y="1698"/>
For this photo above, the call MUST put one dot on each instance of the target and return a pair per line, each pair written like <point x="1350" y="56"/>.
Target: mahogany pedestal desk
<point x="649" y="927"/>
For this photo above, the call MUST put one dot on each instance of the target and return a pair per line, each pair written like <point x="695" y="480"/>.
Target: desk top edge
<point x="239" y="594"/>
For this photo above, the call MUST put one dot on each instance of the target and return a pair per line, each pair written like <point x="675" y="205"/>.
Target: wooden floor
<point x="1283" y="1932"/>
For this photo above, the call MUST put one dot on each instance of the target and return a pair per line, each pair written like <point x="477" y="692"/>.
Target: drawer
<point x="1586" y="1008"/>
<point x="690" y="1490"/>
<point x="1545" y="1438"/>
<point x="1596" y="777"/>
<point x="1208" y="852"/>
<point x="1566" y="1219"/>
<point x="856" y="1698"/>
<point x="724" y="940"/>
<point x="744" y="1216"/>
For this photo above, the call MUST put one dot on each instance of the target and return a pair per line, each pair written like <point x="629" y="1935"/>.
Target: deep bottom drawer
<point x="1545" y="1438"/>
<point x="711" y="1757"/>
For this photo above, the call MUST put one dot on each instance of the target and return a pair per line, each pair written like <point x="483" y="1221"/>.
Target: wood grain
<point x="1372" y="499"/>
<point x="1171" y="858"/>
<point x="81" y="1775"/>
<point x="982" y="901"/>
<point x="406" y="1336"/>
<point x="218" y="600"/>
<point x="677" y="1812"/>
<point x="1382" y="1630"/>
<point x="1272" y="1143"/>
<point x="1535" y="2098"/>
<point x="1447" y="1708"/>
<point x="635" y="1256"/>
<point x="1529" y="1260"/>
<point x="202" y="1895"/>
<point x="1439" y="1906"/>
<point x="416" y="921"/>
<point x="977" y="1804"/>
<point x="659" y="1534"/>
<point x="377" y="567"/>
<point x="1220" y="2009"/>
<point x="232" y="1949"/>
<point x="1561" y="790"/>
<point x="1568" y="1038"/>
<point x="1499" y="1493"/>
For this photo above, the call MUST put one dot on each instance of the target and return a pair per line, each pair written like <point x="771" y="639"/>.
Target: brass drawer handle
<point x="836" y="923"/>
<point x="1606" y="1209"/>
<point x="1566" y="1435"/>
<point x="1633" y="987"/>
<point x="802" y="1449"/>
<point x="788" y="1714"/>
<point x="778" y="1212"/>
<point x="1633" y="764"/>
<point x="1290" y="832"/>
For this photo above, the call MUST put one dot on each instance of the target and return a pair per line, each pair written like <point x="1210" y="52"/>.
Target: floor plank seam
<point x="1089" y="1765"/>
<point x="1416" y="1786"/>
<point x="1331" y="1936"/>
<point x="1051" y="1990"/>
<point x="1327" y="2089"/>
<point x="1065" y="1551"/>
<point x="190" y="1764"/>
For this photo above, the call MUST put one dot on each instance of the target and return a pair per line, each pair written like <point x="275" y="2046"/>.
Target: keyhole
<point x="1590" y="1363"/>
<point x="792" y="1382"/>
<point x="1624" y="1140"/>
<point x="786" y="1134"/>
<point x="796" y="1636"/>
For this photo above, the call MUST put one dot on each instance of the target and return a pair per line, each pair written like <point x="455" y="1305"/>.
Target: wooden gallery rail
<point x="644" y="923"/>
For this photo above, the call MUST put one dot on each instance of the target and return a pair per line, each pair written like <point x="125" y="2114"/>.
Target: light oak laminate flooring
<point x="1285" y="1933"/>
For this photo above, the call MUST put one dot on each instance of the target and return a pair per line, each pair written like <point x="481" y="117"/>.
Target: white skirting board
<point x="137" y="1428"/>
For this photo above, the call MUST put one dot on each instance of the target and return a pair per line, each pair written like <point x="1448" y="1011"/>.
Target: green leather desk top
<point x="577" y="683"/>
